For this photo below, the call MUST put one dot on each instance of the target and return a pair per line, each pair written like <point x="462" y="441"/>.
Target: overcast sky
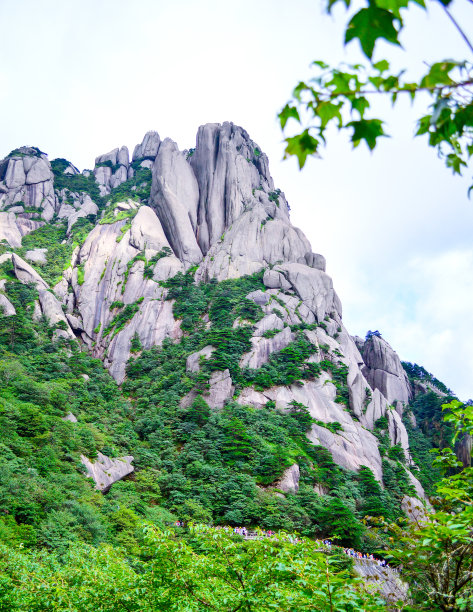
<point x="78" y="78"/>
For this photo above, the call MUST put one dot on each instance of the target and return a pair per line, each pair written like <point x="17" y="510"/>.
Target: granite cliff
<point x="213" y="212"/>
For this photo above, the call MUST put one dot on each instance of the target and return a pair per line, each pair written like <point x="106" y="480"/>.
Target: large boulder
<point x="26" y="177"/>
<point x="383" y="370"/>
<point x="105" y="471"/>
<point x="148" y="148"/>
<point x="175" y="197"/>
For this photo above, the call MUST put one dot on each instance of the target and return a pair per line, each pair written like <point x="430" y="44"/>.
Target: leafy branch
<point x="342" y="96"/>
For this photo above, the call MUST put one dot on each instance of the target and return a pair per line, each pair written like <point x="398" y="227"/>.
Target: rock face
<point x="384" y="580"/>
<point x="7" y="308"/>
<point x="105" y="471"/>
<point x="26" y="177"/>
<point x="289" y="481"/>
<point x="215" y="207"/>
<point x="383" y="370"/>
<point x="175" y="196"/>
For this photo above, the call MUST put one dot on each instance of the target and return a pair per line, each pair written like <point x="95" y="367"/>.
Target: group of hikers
<point x="358" y="555"/>
<point x="319" y="544"/>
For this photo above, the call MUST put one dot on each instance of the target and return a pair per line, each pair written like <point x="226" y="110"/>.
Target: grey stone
<point x="463" y="449"/>
<point x="313" y="287"/>
<point x="105" y="471"/>
<point x="15" y="175"/>
<point x="9" y="230"/>
<point x="384" y="370"/>
<point x="146" y="231"/>
<point x="36" y="255"/>
<point x="70" y="417"/>
<point x="193" y="361"/>
<point x="123" y="157"/>
<point x="259" y="297"/>
<point x="221" y="389"/>
<point x="26" y="274"/>
<point x="313" y="260"/>
<point x="382" y="580"/>
<point x="39" y="172"/>
<point x="149" y="146"/>
<point x="226" y="179"/>
<point x="52" y="310"/>
<point x="262" y="348"/>
<point x="75" y="323"/>
<point x="414" y="509"/>
<point x="268" y="323"/>
<point x="111" y="156"/>
<point x="289" y="481"/>
<point x="175" y="196"/>
<point x="6" y="306"/>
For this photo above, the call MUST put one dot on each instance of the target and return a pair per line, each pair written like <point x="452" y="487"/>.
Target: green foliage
<point x="58" y="256"/>
<point x="136" y="188"/>
<point x="32" y="151"/>
<point x="75" y="183"/>
<point x="121" y="319"/>
<point x="274" y="196"/>
<point x="149" y="266"/>
<point x="436" y="551"/>
<point x="136" y="345"/>
<point x="112" y="216"/>
<point x="80" y="275"/>
<point x="420" y="447"/>
<point x="333" y="426"/>
<point x="191" y="462"/>
<point x="200" y="569"/>
<point x="223" y="302"/>
<point x="417" y="372"/>
<point x="341" y="97"/>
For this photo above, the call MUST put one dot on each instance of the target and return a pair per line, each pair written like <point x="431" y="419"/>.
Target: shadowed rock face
<point x="215" y="206"/>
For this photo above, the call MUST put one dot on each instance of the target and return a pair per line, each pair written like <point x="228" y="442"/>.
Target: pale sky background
<point x="78" y="78"/>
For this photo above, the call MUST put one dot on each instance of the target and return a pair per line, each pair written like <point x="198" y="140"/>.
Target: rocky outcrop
<point x="383" y="370"/>
<point x="414" y="509"/>
<point x="228" y="166"/>
<point x="264" y="347"/>
<point x="314" y="287"/>
<point x="214" y="206"/>
<point x="36" y="255"/>
<point x="193" y="361"/>
<point x="148" y="149"/>
<point x="51" y="309"/>
<point x="112" y="169"/>
<point x="220" y="389"/>
<point x="26" y="177"/>
<point x="6" y="307"/>
<point x="105" y="471"/>
<point x="14" y="226"/>
<point x="383" y="580"/>
<point x="175" y="197"/>
<point x="70" y="417"/>
<point x="113" y="274"/>
<point x="289" y="481"/>
<point x="26" y="274"/>
<point x="73" y="206"/>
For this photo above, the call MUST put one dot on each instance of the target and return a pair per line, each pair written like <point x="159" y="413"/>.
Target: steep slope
<point x="215" y="207"/>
